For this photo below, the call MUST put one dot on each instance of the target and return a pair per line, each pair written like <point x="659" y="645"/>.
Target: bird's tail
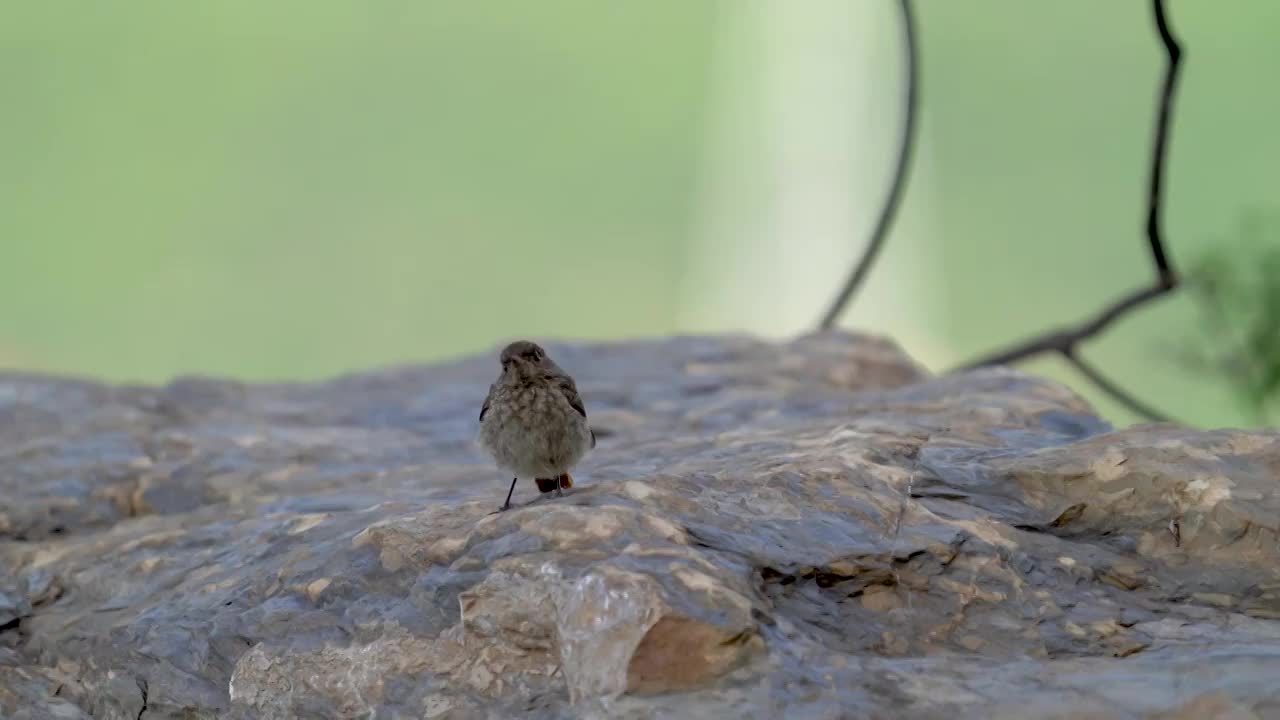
<point x="547" y="485"/>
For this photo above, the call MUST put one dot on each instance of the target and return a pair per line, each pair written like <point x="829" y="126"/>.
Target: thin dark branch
<point x="1117" y="393"/>
<point x="1066" y="341"/>
<point x="894" y="197"/>
<point x="1155" y="237"/>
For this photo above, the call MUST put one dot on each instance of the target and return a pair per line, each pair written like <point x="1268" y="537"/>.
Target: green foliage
<point x="1236" y="288"/>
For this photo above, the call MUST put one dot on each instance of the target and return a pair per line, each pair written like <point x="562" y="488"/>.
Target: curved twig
<point x="1065" y="342"/>
<point x="1116" y="392"/>
<point x="1155" y="236"/>
<point x="894" y="197"/>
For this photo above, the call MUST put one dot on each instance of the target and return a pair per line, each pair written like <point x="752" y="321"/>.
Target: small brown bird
<point x="533" y="422"/>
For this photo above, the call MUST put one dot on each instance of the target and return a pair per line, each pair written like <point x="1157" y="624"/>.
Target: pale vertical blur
<point x="803" y="131"/>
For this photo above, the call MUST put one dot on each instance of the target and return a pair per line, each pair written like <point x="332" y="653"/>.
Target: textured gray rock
<point x="811" y="530"/>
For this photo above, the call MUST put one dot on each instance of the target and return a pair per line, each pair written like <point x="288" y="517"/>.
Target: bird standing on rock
<point x="533" y="422"/>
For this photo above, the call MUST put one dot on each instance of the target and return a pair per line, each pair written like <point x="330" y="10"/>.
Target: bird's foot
<point x="506" y="505"/>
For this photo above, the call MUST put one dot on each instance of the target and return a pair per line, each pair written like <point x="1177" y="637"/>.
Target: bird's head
<point x="523" y="354"/>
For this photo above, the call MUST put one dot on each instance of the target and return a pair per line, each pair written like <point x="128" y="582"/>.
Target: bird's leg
<point x="507" y="505"/>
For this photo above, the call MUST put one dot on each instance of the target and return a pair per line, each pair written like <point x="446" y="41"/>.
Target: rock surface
<point x="805" y="530"/>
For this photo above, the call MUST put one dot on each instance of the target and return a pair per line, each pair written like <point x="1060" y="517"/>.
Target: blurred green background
<point x="293" y="189"/>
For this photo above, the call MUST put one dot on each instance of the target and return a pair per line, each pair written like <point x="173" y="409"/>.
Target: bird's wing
<point x="569" y="389"/>
<point x="485" y="407"/>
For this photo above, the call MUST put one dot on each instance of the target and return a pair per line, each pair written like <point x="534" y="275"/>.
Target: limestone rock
<point x="812" y="529"/>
